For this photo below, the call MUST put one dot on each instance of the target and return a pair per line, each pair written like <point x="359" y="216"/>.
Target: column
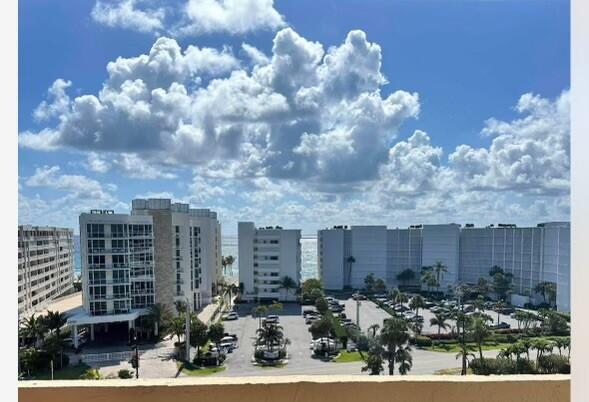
<point x="75" y="335"/>
<point x="91" y="332"/>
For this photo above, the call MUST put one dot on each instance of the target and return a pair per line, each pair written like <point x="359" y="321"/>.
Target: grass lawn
<point x="68" y="373"/>
<point x="347" y="357"/>
<point x="192" y="370"/>
<point x="452" y="371"/>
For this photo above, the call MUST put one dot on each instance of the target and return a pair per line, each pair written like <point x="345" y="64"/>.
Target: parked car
<point x="307" y="312"/>
<point x="358" y="296"/>
<point x="272" y="319"/>
<point x="501" y="325"/>
<point x="230" y="316"/>
<point x="227" y="335"/>
<point x="311" y="319"/>
<point x="506" y="310"/>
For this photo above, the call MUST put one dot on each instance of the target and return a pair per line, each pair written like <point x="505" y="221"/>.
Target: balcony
<point x="540" y="388"/>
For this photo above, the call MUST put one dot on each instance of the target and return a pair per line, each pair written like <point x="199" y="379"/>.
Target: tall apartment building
<point x="531" y="254"/>
<point x="45" y="265"/>
<point x="265" y="256"/>
<point x="160" y="253"/>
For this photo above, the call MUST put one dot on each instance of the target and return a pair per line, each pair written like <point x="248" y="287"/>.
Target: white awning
<point x="83" y="318"/>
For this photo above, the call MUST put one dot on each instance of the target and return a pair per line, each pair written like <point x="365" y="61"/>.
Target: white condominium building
<point x="160" y="253"/>
<point x="531" y="254"/>
<point x="265" y="257"/>
<point x="45" y="265"/>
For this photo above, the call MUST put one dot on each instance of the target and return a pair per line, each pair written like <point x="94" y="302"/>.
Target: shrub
<point x="259" y="354"/>
<point x="91" y="374"/>
<point x="442" y="336"/>
<point x="363" y="343"/>
<point x="124" y="373"/>
<point x="554" y="364"/>
<point x="492" y="366"/>
<point x="423" y="341"/>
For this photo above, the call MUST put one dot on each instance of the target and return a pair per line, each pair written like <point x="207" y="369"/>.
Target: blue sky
<point x="421" y="112"/>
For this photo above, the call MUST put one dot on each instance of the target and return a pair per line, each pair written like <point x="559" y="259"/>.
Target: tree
<point x="541" y="345"/>
<point x="562" y="343"/>
<point x="321" y="328"/>
<point x="483" y="288"/>
<point x="369" y="282"/>
<point x="310" y="284"/>
<point x="177" y="327"/>
<point x="180" y="307"/>
<point x="547" y="290"/>
<point x="416" y="303"/>
<point x="439" y="269"/>
<point x="394" y="336"/>
<point x="321" y="305"/>
<point x="54" y="344"/>
<point x="270" y="335"/>
<point x="54" y="321"/>
<point x="315" y="294"/>
<point x="502" y="282"/>
<point x="216" y="333"/>
<point x="373" y="328"/>
<point x="275" y="307"/>
<point x="464" y="353"/>
<point x="380" y="286"/>
<point x="34" y="328"/>
<point x="499" y="305"/>
<point x="199" y="334"/>
<point x="439" y="320"/>
<point x="259" y="311"/>
<point x="405" y="276"/>
<point x="479" y="332"/>
<point x="428" y="278"/>
<point x="287" y="283"/>
<point x="160" y="315"/>
<point x="374" y="360"/>
<point x="401" y="298"/>
<point x="29" y="360"/>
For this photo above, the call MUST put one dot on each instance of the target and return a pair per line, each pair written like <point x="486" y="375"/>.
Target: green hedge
<point x="423" y="341"/>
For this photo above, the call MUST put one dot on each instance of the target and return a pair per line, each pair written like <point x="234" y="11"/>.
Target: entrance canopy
<point x="83" y="318"/>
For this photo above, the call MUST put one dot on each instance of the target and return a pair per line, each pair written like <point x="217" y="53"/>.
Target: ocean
<point x="229" y="247"/>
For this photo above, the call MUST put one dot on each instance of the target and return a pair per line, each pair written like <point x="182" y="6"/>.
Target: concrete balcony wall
<point x="522" y="388"/>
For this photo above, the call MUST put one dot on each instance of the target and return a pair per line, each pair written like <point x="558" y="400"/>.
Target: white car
<point x="231" y="316"/>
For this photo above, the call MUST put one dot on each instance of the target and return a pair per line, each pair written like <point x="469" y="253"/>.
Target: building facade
<point x="265" y="256"/>
<point x="530" y="254"/>
<point x="162" y="252"/>
<point x="45" y="265"/>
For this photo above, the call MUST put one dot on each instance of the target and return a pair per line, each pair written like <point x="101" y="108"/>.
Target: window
<point x="118" y="230"/>
<point x="95" y="230"/>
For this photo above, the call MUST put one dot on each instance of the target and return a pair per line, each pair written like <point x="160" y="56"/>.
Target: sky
<point x="303" y="114"/>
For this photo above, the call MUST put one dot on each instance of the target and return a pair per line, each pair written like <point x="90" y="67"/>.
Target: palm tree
<point x="393" y="337"/>
<point x="34" y="327"/>
<point x="160" y="315"/>
<point x="199" y="335"/>
<point x="216" y="333"/>
<point x="541" y="345"/>
<point x="229" y="260"/>
<point x="482" y="287"/>
<point x="259" y="311"/>
<point x="287" y="283"/>
<point x="374" y="361"/>
<point x="180" y="307"/>
<point x="439" y="269"/>
<point x="439" y="320"/>
<point x="406" y="275"/>
<point x="54" y="321"/>
<point x="479" y="332"/>
<point x="404" y="360"/>
<point x="54" y="344"/>
<point x="499" y="305"/>
<point x="416" y="303"/>
<point x="374" y="328"/>
<point x="464" y="353"/>
<point x="177" y="327"/>
<point x="270" y="335"/>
